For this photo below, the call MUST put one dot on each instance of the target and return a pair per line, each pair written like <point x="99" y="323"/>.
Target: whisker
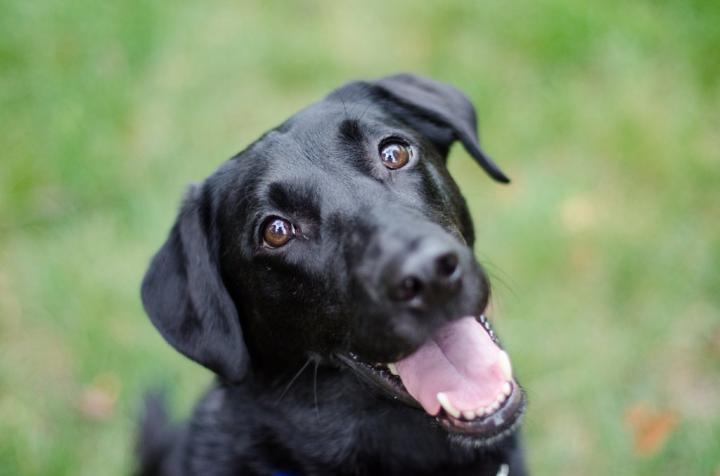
<point x="498" y="275"/>
<point x="317" y="409"/>
<point x="365" y="110"/>
<point x="342" y="100"/>
<point x="292" y="381"/>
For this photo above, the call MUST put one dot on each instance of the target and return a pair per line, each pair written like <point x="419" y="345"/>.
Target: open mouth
<point x="461" y="377"/>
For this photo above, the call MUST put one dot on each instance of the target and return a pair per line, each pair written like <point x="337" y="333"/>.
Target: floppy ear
<point x="440" y="112"/>
<point x="186" y="299"/>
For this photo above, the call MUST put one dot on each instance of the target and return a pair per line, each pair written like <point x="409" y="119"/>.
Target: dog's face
<point x="341" y="234"/>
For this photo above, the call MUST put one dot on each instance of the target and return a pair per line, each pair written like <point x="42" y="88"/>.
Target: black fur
<point x="272" y="323"/>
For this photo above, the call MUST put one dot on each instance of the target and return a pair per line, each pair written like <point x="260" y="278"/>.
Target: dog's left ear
<point x="186" y="299"/>
<point x="440" y="112"/>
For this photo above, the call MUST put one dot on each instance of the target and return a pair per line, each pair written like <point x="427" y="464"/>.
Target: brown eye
<point x="277" y="232"/>
<point x="395" y="154"/>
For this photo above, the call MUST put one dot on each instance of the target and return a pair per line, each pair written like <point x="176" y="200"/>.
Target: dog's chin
<point x="487" y="430"/>
<point x="480" y="427"/>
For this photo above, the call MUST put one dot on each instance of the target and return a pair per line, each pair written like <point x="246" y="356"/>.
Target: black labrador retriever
<point x="326" y="276"/>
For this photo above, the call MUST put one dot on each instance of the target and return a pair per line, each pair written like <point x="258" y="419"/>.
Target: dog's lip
<point x="379" y="376"/>
<point x="501" y="422"/>
<point x="494" y="425"/>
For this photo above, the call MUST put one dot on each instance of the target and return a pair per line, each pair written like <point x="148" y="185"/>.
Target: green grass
<point x="605" y="250"/>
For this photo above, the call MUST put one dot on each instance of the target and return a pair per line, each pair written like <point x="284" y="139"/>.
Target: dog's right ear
<point x="441" y="112"/>
<point x="186" y="299"/>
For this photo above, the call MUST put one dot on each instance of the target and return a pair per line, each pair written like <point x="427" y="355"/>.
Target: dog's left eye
<point x="395" y="154"/>
<point x="277" y="232"/>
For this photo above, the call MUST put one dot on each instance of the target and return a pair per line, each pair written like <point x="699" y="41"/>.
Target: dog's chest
<point x="361" y="436"/>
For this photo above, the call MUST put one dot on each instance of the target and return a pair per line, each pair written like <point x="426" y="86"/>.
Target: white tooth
<point x="392" y="369"/>
<point x="445" y="403"/>
<point x="507" y="388"/>
<point x="500" y="398"/>
<point x="504" y="361"/>
<point x="481" y="411"/>
<point x="493" y="407"/>
<point x="468" y="414"/>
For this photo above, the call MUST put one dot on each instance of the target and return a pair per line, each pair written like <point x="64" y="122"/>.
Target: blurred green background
<point x="604" y="251"/>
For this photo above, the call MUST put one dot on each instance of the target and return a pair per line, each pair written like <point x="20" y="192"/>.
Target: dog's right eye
<point x="395" y="154"/>
<point x="277" y="232"/>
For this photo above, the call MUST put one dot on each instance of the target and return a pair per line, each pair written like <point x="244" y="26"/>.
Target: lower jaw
<point x="479" y="432"/>
<point x="488" y="429"/>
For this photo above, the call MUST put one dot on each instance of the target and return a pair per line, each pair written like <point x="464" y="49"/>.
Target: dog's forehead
<point x="324" y="118"/>
<point x="322" y="137"/>
<point x="327" y="156"/>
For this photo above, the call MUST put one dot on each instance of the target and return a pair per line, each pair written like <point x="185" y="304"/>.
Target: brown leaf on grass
<point x="650" y="428"/>
<point x="97" y="400"/>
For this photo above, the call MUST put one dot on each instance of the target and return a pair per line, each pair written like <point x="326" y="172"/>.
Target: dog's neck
<point x="305" y="414"/>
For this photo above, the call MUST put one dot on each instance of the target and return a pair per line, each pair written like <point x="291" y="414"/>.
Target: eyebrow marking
<point x="353" y="142"/>
<point x="350" y="131"/>
<point x="297" y="199"/>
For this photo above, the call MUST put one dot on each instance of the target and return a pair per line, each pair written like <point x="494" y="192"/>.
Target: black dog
<point x="326" y="276"/>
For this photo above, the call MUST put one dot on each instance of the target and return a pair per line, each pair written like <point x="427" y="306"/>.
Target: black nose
<point x="427" y="276"/>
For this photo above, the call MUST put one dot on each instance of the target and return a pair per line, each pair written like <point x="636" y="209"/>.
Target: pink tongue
<point x="460" y="360"/>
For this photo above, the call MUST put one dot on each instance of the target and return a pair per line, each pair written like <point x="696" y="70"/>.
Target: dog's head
<point x="341" y="234"/>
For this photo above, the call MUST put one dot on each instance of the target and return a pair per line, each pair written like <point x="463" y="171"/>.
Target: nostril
<point x="409" y="288"/>
<point x="446" y="265"/>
